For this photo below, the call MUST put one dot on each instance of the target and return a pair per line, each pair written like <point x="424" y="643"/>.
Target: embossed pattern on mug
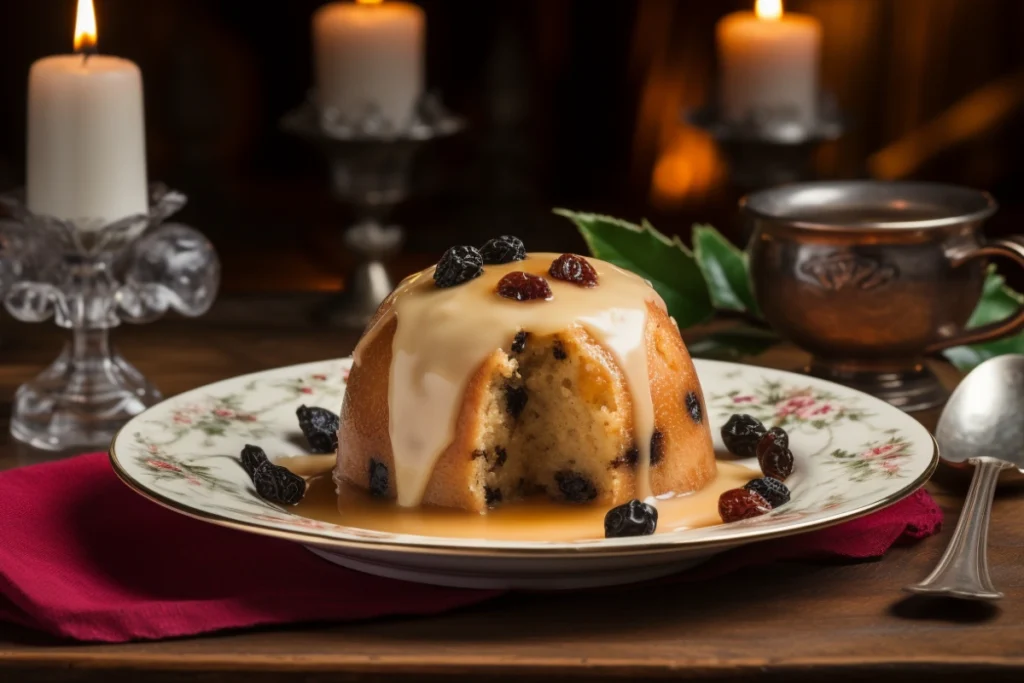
<point x="842" y="269"/>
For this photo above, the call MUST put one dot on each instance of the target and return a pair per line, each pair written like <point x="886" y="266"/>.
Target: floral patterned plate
<point x="855" y="454"/>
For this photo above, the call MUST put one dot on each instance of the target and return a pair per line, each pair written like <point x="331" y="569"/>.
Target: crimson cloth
<point x="83" y="557"/>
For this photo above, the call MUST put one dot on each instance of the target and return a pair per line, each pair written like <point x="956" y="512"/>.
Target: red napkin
<point x="83" y="557"/>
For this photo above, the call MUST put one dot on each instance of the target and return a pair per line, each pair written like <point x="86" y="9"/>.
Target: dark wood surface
<point x="786" y="621"/>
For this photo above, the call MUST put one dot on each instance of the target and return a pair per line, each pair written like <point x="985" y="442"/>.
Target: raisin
<point x="519" y="342"/>
<point x="252" y="457"/>
<point x="771" y="489"/>
<point x="320" y="427"/>
<point x="378" y="478"/>
<point x="558" y="350"/>
<point x="776" y="461"/>
<point x="741" y="434"/>
<point x="575" y="487"/>
<point x="776" y="436"/>
<point x="479" y="453"/>
<point x="458" y="265"/>
<point x="524" y="287"/>
<point x="278" y="484"/>
<point x="492" y="496"/>
<point x="634" y="518"/>
<point x="737" y="504"/>
<point x="504" y="249"/>
<point x="502" y="457"/>
<point x="515" y="400"/>
<point x="574" y="269"/>
<point x="630" y="458"/>
<point x="693" y="407"/>
<point x="657" y="447"/>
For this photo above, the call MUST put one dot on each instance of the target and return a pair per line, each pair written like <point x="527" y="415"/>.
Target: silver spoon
<point x="982" y="425"/>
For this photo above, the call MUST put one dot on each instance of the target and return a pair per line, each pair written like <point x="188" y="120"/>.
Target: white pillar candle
<point x="369" y="57"/>
<point x="768" y="65"/>
<point x="86" y="157"/>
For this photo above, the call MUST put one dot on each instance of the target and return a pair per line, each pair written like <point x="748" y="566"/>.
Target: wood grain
<point x="783" y="621"/>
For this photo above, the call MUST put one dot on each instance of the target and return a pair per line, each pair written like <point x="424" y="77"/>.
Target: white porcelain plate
<point x="855" y="454"/>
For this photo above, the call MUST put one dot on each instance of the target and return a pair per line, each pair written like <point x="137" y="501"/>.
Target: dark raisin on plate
<point x="458" y="265"/>
<point x="693" y="406"/>
<point x="378" y="478"/>
<point x="278" y="484"/>
<point x="522" y="286"/>
<point x="741" y="434"/>
<point x="771" y="489"/>
<point x="775" y="436"/>
<point x="252" y="457"/>
<point x="504" y="249"/>
<point x="635" y="518"/>
<point x="575" y="269"/>
<point x="575" y="487"/>
<point x="737" y="504"/>
<point x="320" y="427"/>
<point x="776" y="461"/>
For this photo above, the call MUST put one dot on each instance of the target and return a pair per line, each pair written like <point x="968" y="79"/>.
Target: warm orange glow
<point x="369" y="2"/>
<point x="85" y="27"/>
<point x="687" y="169"/>
<point x="768" y="9"/>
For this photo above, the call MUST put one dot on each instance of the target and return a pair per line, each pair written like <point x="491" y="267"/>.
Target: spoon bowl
<point x="982" y="426"/>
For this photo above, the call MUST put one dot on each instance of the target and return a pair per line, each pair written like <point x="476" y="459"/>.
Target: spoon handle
<point x="962" y="571"/>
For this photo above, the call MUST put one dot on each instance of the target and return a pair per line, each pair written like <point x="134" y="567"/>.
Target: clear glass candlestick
<point x="90" y="281"/>
<point x="370" y="163"/>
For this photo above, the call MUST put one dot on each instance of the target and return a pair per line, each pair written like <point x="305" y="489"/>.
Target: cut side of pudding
<point x="463" y="398"/>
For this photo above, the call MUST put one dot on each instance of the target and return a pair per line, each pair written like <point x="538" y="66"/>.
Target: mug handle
<point x="1013" y="249"/>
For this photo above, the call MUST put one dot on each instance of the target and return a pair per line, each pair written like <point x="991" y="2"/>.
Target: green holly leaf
<point x="666" y="262"/>
<point x="998" y="301"/>
<point x="725" y="270"/>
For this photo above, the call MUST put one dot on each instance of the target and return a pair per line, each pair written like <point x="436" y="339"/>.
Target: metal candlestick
<point x="370" y="162"/>
<point x="769" y="149"/>
<point x="89" y="281"/>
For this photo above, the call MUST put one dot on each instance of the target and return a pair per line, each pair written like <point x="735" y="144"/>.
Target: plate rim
<point x="602" y="548"/>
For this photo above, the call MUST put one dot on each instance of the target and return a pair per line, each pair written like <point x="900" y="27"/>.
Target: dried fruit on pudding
<point x="737" y="504"/>
<point x="504" y="249"/>
<point x="771" y="489"/>
<point x="574" y="269"/>
<point x="458" y="265"/>
<point x="320" y="427"/>
<point x="741" y="433"/>
<point x="635" y="518"/>
<point x="693" y="407"/>
<point x="524" y="287"/>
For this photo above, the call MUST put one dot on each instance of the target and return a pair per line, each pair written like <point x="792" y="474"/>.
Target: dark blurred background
<point x="571" y="103"/>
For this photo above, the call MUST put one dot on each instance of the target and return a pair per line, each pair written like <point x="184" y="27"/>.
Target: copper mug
<point x="870" y="277"/>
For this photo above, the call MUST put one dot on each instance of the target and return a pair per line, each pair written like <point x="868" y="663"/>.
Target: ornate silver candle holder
<point x="90" y="279"/>
<point x="370" y="162"/>
<point x="771" y="149"/>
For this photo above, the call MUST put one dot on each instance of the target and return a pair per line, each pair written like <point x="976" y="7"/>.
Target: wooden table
<point x="783" y="622"/>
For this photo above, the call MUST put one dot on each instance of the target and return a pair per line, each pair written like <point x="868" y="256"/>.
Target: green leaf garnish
<point x="665" y="262"/>
<point x="998" y="301"/>
<point x="725" y="270"/>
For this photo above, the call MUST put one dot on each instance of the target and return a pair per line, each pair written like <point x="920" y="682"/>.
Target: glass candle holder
<point x="90" y="280"/>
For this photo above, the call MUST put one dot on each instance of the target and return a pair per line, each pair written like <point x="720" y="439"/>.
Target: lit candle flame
<point x="85" y="27"/>
<point x="768" y="9"/>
